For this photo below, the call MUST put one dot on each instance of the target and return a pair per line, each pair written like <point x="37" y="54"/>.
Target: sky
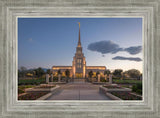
<point x="112" y="42"/>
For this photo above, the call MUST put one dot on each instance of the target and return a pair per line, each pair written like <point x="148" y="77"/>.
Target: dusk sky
<point x="112" y="42"/>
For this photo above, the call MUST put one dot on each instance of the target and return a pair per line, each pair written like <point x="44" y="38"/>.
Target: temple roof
<point x="96" y="67"/>
<point x="61" y="67"/>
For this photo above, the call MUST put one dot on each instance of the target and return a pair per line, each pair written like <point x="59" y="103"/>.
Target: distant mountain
<point x="45" y="69"/>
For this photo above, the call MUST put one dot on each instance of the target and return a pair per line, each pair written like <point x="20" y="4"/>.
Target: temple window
<point x="79" y="60"/>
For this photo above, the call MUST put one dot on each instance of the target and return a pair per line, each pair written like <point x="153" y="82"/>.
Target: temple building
<point x="79" y="68"/>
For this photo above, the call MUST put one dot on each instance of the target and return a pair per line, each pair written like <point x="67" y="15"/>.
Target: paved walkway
<point x="78" y="91"/>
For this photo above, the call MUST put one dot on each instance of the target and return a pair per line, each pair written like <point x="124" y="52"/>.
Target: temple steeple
<point x="79" y="63"/>
<point x="79" y="47"/>
<point x="79" y="40"/>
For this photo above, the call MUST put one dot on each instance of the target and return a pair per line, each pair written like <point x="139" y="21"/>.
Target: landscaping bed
<point x="126" y="85"/>
<point x="112" y="87"/>
<point x="41" y="88"/>
<point x="116" y="91"/>
<point x="32" y="96"/>
<point x="126" y="81"/>
<point x="38" y="92"/>
<point x="126" y="95"/>
<point x="45" y="86"/>
<point x="21" y="89"/>
<point x="137" y="88"/>
<point x="111" y="90"/>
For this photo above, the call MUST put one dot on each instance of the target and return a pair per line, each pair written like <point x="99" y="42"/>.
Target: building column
<point x="73" y="68"/>
<point x="84" y="67"/>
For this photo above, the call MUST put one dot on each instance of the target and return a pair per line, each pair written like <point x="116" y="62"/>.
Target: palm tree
<point x="97" y="73"/>
<point x="90" y="73"/>
<point x="48" y="71"/>
<point x="59" y="72"/>
<point x="107" y="72"/>
<point x="67" y="73"/>
<point x="59" y="75"/>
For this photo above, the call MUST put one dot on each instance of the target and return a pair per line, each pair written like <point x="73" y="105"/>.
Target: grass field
<point x="21" y="89"/>
<point x="31" y="81"/>
<point x="118" y="81"/>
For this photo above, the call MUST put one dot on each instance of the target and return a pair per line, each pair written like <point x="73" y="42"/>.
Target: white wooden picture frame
<point x="149" y="10"/>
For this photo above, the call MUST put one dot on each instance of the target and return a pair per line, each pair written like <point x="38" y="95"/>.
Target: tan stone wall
<point x="63" y="69"/>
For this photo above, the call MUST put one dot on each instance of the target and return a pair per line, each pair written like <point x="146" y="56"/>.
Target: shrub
<point x="134" y="88"/>
<point x="118" y="81"/>
<point x="139" y="85"/>
<point x="125" y="95"/>
<point x="139" y="91"/>
<point x="137" y="88"/>
<point x="103" y="80"/>
<point x="115" y="78"/>
<point x="20" y="91"/>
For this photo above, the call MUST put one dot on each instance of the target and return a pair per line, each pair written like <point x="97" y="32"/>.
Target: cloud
<point x="127" y="58"/>
<point x="30" y="39"/>
<point x="105" y="47"/>
<point x="134" y="50"/>
<point x="103" y="55"/>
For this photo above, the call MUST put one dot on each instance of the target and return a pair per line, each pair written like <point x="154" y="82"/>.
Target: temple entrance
<point x="79" y="75"/>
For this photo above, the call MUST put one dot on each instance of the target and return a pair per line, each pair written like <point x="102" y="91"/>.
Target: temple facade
<point x="79" y="68"/>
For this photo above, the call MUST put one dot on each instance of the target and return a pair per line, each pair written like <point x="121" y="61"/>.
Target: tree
<point x="118" y="72"/>
<point x="90" y="73"/>
<point x="22" y="71"/>
<point x="33" y="73"/>
<point x="19" y="73"/>
<point x="48" y="71"/>
<point x="39" y="72"/>
<point x="97" y="73"/>
<point x="134" y="73"/>
<point x="22" y="68"/>
<point x="67" y="73"/>
<point x="107" y="72"/>
<point x="59" y="72"/>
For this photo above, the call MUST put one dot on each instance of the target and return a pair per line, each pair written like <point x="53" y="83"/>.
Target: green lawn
<point x="118" y="81"/>
<point x="31" y="81"/>
<point x="127" y="86"/>
<point x="21" y="89"/>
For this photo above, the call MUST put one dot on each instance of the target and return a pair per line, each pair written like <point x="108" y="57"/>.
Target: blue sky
<point x="44" y="42"/>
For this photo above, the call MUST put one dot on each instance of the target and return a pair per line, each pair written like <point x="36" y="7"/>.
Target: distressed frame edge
<point x="157" y="60"/>
<point x="56" y="101"/>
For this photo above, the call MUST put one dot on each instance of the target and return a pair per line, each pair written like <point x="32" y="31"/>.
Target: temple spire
<point x="79" y="40"/>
